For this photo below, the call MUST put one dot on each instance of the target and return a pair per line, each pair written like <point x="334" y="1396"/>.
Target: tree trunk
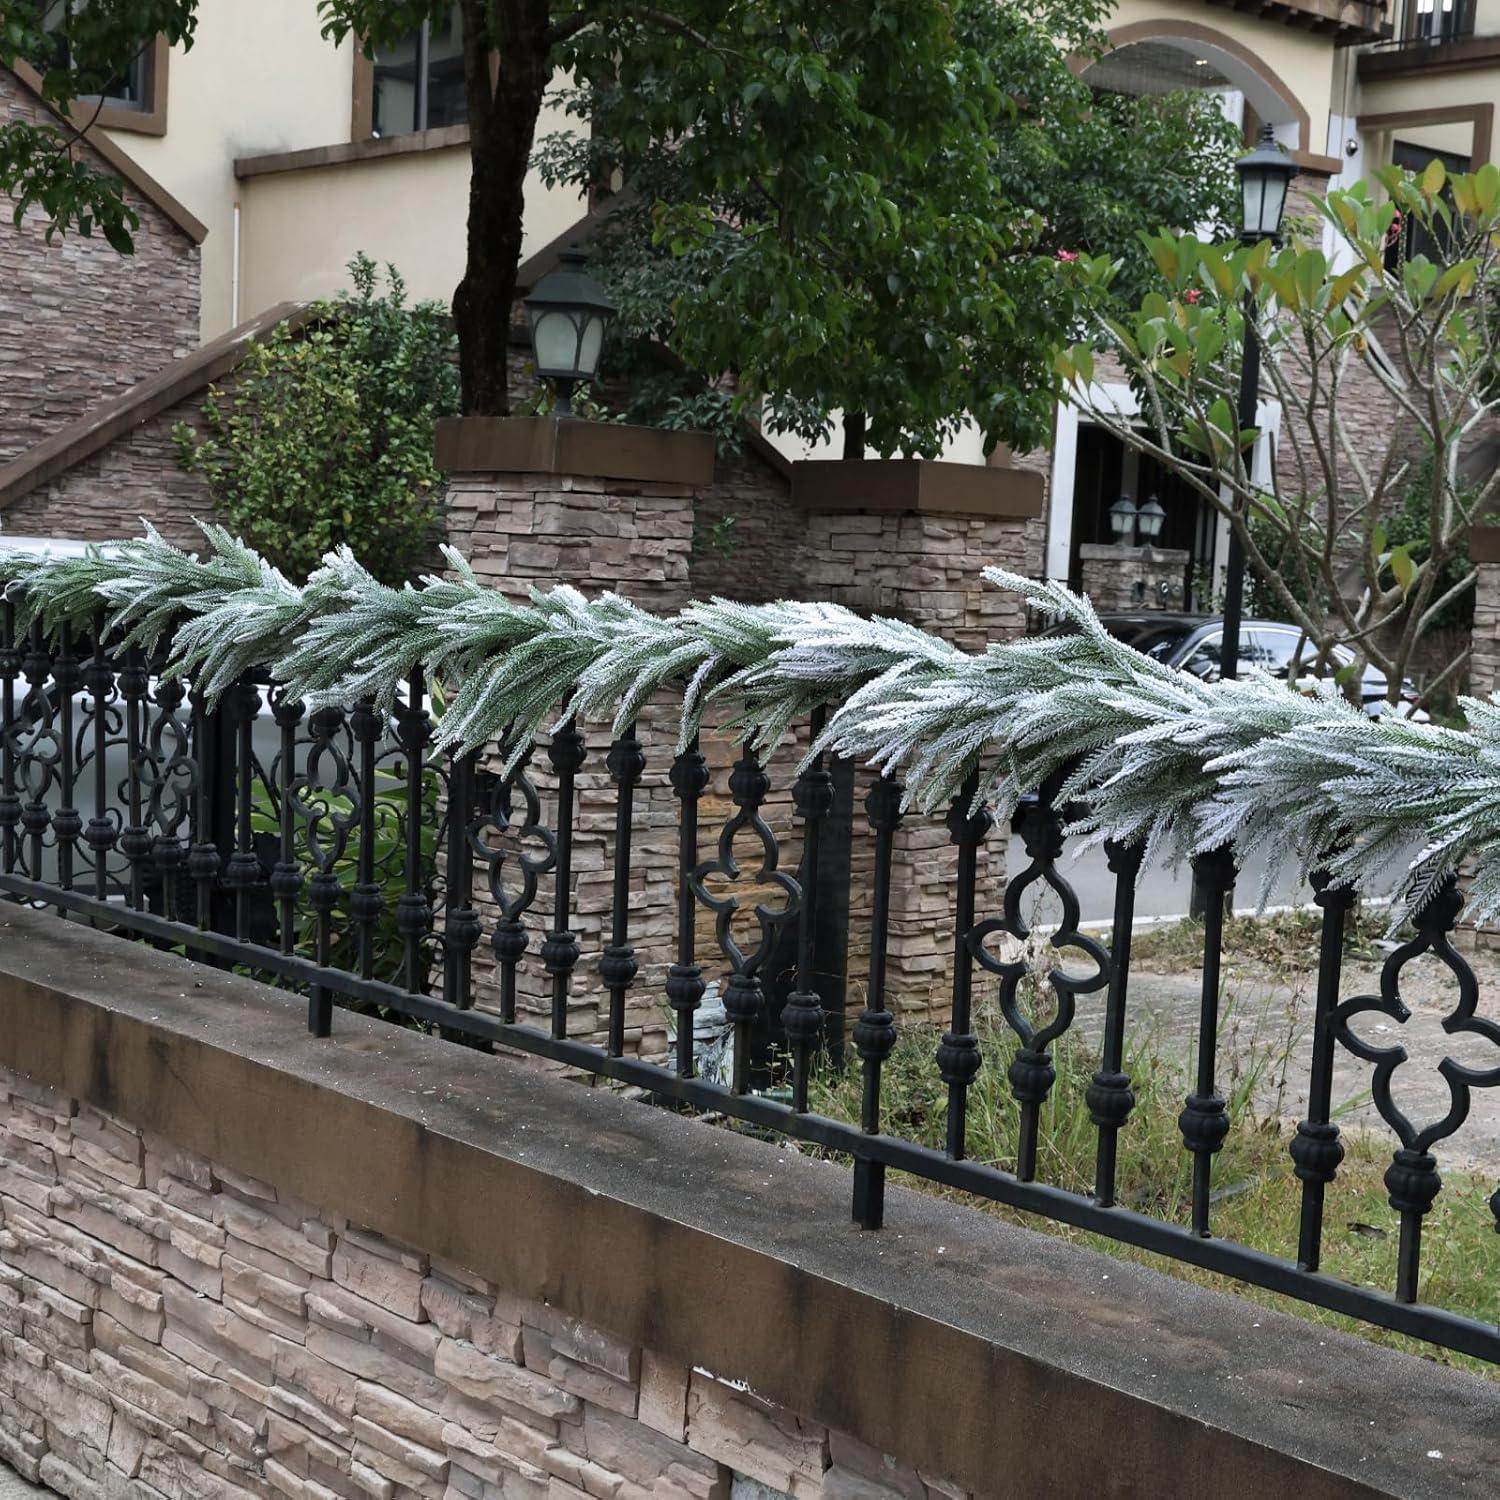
<point x="854" y="434"/>
<point x="504" y="102"/>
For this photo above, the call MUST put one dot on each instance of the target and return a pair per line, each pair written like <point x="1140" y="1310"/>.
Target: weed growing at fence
<point x="1286" y="942"/>
<point x="1258" y="1201"/>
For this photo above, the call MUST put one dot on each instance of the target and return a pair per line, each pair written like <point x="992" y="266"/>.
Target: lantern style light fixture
<point x="1122" y="518"/>
<point x="1150" y="519"/>
<point x="568" y="313"/>
<point x="1265" y="175"/>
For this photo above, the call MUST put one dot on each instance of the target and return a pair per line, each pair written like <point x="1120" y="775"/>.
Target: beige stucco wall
<point x="258" y="77"/>
<point x="261" y="79"/>
<point x="1422" y="91"/>
<point x="299" y="229"/>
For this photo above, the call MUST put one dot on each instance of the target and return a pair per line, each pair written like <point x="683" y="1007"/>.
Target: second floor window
<point x="127" y="90"/>
<point x="1441" y="20"/>
<point x="419" y="84"/>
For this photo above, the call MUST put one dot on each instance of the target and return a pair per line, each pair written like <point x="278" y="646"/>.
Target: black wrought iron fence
<point x="335" y="852"/>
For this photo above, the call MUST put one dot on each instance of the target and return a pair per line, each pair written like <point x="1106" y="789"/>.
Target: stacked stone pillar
<point x="1122" y="580"/>
<point x="908" y="539"/>
<point x="1484" y="664"/>
<point x="533" y="503"/>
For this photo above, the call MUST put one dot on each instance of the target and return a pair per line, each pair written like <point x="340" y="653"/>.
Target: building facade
<point x="289" y="154"/>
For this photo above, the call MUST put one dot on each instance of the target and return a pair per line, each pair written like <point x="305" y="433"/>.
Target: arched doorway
<point x="1159" y="56"/>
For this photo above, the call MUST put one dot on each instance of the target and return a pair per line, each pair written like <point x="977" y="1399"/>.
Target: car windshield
<point x="1150" y="637"/>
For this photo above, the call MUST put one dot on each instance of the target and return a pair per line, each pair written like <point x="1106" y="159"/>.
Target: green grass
<point x="1259" y="1200"/>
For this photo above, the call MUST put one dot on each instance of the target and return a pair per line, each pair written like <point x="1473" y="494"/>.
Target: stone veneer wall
<point x="525" y="530"/>
<point x="761" y="553"/>
<point x="104" y="496"/>
<point x="81" y="321"/>
<point x="921" y="568"/>
<point x="174" y="1330"/>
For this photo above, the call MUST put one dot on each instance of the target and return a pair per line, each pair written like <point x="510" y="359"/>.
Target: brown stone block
<point x="501" y="1447"/>
<point x="647" y="1457"/>
<point x="268" y="1233"/>
<point x="484" y="1378"/>
<point x="584" y="1381"/>
<point x="376" y="1365"/>
<point x="312" y="1415"/>
<point x="754" y="1438"/>
<point x="135" y="1313"/>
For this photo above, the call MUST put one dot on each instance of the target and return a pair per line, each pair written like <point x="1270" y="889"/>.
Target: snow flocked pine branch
<point x="1151" y="754"/>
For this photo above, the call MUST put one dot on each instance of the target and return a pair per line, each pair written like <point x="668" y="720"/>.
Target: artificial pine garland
<point x="1151" y="753"/>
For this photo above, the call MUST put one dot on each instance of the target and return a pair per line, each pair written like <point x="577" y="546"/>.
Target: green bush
<point x="326" y="434"/>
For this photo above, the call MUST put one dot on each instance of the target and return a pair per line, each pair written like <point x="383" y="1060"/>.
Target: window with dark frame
<point x="419" y="83"/>
<point x="130" y="90"/>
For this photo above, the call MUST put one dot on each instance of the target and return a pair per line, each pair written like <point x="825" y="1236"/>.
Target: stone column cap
<point x="920" y="485"/>
<point x="568" y="445"/>
<point x="1484" y="543"/>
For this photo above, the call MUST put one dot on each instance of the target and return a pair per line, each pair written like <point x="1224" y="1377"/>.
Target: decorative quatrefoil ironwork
<point x="1433" y="925"/>
<point x="1412" y="1179"/>
<point x="748" y="785"/>
<point x="524" y="840"/>
<point x="326" y="795"/>
<point x="1041" y="832"/>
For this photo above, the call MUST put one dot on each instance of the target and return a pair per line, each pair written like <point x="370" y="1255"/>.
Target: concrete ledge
<point x="916" y="484"/>
<point x="549" y="445"/>
<point x="1008" y="1361"/>
<point x="377" y="148"/>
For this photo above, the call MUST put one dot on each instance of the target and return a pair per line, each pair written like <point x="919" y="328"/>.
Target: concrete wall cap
<point x="709" y="1247"/>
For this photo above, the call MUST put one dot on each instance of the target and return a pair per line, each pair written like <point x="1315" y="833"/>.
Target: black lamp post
<point x="1122" y="516"/>
<point x="1265" y="175"/>
<point x="568" y="312"/>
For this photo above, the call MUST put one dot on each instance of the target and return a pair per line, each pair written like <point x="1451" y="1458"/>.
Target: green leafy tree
<point x="744" y="262"/>
<point x="856" y="148"/>
<point x="326" y="434"/>
<point x="1361" y="537"/>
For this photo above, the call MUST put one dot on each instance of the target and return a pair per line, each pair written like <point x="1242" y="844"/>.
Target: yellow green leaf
<point x="1487" y="188"/>
<point x="1461" y="275"/>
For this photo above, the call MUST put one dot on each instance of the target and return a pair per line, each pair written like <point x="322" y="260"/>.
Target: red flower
<point x="1192" y="295"/>
<point x="1067" y="255"/>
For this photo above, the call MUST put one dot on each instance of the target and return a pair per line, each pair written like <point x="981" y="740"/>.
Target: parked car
<point x="1194" y="643"/>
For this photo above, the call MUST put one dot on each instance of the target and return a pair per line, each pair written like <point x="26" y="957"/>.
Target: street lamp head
<point x="568" y="312"/>
<point x="1122" y="516"/>
<point x="1265" y="175"/>
<point x="1150" y="519"/>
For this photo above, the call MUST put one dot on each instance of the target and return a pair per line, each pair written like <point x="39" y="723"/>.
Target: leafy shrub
<point x="326" y="434"/>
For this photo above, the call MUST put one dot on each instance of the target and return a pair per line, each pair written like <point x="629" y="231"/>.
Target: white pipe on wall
<point x="234" y="270"/>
